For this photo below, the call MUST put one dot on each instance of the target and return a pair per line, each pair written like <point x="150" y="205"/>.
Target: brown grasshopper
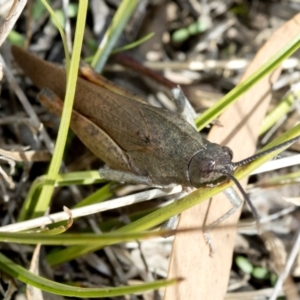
<point x="140" y="143"/>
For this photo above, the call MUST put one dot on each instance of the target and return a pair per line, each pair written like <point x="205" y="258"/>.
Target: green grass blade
<point x="277" y="113"/>
<point x="210" y="114"/>
<point x="112" y="34"/>
<point x="134" y="44"/>
<point x="61" y="31"/>
<point x="47" y="190"/>
<point x="16" y="271"/>
<point x="58" y="237"/>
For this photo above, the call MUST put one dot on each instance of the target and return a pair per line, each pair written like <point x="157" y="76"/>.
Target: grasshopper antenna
<point x="252" y="158"/>
<point x="260" y="154"/>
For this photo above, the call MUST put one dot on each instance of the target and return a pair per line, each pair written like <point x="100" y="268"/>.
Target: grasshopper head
<point x="210" y="166"/>
<point x="214" y="165"/>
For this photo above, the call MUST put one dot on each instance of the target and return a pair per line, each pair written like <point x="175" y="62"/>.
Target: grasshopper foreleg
<point x="236" y="202"/>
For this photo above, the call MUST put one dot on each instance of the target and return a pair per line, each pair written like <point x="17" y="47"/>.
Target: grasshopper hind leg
<point x="126" y="177"/>
<point x="184" y="107"/>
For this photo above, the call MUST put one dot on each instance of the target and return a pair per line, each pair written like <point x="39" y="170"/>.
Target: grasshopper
<point x="140" y="143"/>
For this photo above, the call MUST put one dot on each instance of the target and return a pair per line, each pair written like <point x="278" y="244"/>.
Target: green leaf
<point x="244" y="264"/>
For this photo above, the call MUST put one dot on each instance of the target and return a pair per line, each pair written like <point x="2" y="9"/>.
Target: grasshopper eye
<point x="228" y="151"/>
<point x="201" y="169"/>
<point x="210" y="166"/>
